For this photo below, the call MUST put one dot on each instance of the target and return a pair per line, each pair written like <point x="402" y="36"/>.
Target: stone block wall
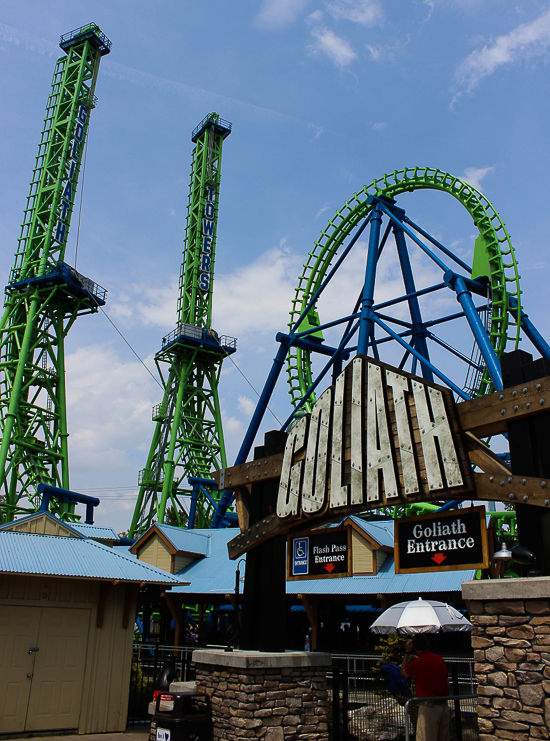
<point x="511" y="642"/>
<point x="275" y="697"/>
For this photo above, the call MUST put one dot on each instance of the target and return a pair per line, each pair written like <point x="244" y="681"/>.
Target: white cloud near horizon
<point x="524" y="42"/>
<point x="109" y="409"/>
<point x="255" y="297"/>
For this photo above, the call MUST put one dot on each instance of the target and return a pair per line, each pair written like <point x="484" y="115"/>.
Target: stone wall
<point x="274" y="697"/>
<point x="511" y="642"/>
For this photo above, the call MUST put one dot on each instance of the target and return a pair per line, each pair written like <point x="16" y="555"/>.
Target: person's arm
<point x="407" y="657"/>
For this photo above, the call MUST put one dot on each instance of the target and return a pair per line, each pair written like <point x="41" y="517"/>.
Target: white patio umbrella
<point x="421" y="616"/>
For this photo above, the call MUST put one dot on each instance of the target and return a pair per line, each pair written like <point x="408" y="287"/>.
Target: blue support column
<point x="278" y="362"/>
<point x="476" y="325"/>
<point x="366" y="324"/>
<point x="419" y="333"/>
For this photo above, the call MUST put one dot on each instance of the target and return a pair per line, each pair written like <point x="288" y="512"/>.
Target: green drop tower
<point x="45" y="295"/>
<point x="188" y="438"/>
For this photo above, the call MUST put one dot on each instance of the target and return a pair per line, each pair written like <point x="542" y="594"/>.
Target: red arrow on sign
<point x="330" y="567"/>
<point x="439" y="558"/>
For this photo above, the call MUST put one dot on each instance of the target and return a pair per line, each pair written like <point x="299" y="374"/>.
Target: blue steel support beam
<point x="326" y="281"/>
<point x="464" y="296"/>
<point x="419" y="333"/>
<point x="366" y="326"/>
<point x="418" y="356"/>
<point x="529" y="328"/>
<point x="278" y="362"/>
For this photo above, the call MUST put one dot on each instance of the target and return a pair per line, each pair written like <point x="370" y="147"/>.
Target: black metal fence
<point x="147" y="661"/>
<point x="361" y="706"/>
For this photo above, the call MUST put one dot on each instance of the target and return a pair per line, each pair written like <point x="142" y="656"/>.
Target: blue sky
<point x="324" y="97"/>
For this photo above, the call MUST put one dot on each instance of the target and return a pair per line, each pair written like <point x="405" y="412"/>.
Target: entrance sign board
<point x="447" y="541"/>
<point x="381" y="437"/>
<point x="319" y="554"/>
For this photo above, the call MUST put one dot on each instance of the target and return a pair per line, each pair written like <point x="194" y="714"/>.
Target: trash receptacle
<point x="181" y="716"/>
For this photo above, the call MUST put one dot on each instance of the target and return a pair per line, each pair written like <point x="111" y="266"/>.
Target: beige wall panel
<point x="362" y="554"/>
<point x="105" y="705"/>
<point x="181" y="562"/>
<point x="380" y="558"/>
<point x="108" y="649"/>
<point x="156" y="553"/>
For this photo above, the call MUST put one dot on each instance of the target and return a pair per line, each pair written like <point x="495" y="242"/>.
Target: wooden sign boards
<point x="381" y="437"/>
<point x="449" y="541"/>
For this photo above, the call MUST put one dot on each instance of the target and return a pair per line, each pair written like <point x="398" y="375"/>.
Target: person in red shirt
<point x="431" y="681"/>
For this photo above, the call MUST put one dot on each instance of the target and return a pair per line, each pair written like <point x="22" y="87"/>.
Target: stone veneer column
<point x="273" y="696"/>
<point x="511" y="642"/>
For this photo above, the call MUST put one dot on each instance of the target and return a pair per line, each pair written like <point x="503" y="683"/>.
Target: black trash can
<point x="181" y="716"/>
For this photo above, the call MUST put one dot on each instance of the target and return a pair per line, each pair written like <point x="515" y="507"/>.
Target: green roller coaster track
<point x="493" y="257"/>
<point x="493" y="247"/>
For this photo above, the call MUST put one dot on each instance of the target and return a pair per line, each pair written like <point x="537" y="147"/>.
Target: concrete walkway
<point x="132" y="733"/>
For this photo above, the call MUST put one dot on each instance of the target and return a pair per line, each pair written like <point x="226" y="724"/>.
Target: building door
<point x="53" y="669"/>
<point x="18" y="634"/>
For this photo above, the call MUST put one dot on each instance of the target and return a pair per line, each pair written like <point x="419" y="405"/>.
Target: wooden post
<point x="529" y="441"/>
<point x="264" y="595"/>
<point x="312" y="616"/>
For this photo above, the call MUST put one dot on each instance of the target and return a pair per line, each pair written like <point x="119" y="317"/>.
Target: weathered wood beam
<point x="513" y="489"/>
<point x="489" y="415"/>
<point x="484" y="458"/>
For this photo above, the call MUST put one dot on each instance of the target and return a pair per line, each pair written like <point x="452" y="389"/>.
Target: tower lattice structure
<point x="188" y="439"/>
<point x="45" y="295"/>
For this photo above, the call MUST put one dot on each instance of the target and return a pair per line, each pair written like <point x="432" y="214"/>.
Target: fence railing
<point x="362" y="706"/>
<point x="463" y="716"/>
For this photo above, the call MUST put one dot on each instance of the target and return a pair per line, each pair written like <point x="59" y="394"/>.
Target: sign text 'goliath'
<point x="376" y="436"/>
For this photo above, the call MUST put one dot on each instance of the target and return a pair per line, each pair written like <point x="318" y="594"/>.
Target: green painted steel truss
<point x="45" y="295"/>
<point x="188" y="438"/>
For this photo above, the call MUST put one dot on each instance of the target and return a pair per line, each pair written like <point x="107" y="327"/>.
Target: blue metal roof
<point x="94" y="531"/>
<point x="386" y="581"/>
<point x="215" y="574"/>
<point x="379" y="530"/>
<point x="190" y="541"/>
<point x="51" y="555"/>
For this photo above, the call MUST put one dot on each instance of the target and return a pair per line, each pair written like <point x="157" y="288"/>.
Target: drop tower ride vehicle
<point x="188" y="440"/>
<point x="45" y="295"/>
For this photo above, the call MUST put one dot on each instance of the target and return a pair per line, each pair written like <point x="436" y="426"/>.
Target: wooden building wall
<point x="108" y="649"/>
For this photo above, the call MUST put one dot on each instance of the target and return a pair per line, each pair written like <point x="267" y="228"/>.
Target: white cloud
<point x="155" y="307"/>
<point x="275" y="14"/>
<point x="246" y="406"/>
<point x="256" y="297"/>
<point x="526" y="41"/>
<point x="366" y="12"/>
<point x="109" y="408"/>
<point x="337" y="49"/>
<point x="388" y="51"/>
<point x="474" y="175"/>
<point x="379" y="126"/>
<point x="31" y="43"/>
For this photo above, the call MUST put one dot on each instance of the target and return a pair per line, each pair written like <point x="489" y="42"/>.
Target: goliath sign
<point x="377" y="438"/>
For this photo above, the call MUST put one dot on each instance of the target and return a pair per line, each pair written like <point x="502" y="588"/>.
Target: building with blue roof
<point x="373" y="586"/>
<point x="68" y="605"/>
